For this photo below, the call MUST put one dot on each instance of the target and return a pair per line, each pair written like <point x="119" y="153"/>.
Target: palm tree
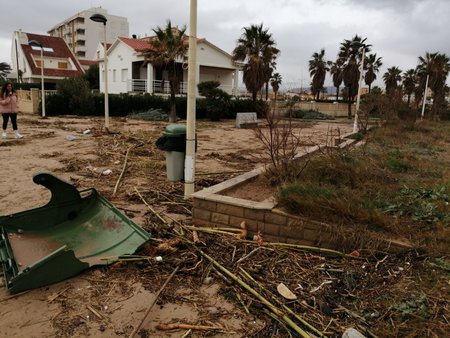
<point x="5" y="69"/>
<point x="318" y="68"/>
<point x="337" y="73"/>
<point x="256" y="48"/>
<point x="167" y="47"/>
<point x="391" y="79"/>
<point x="437" y="66"/>
<point x="350" y="52"/>
<point x="275" y="82"/>
<point x="372" y="66"/>
<point x="409" y="82"/>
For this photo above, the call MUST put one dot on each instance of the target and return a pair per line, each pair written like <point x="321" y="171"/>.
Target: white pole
<point x="42" y="82"/>
<point x="189" y="164"/>
<point x="358" y="97"/>
<point x="106" y="79"/>
<point x="424" y="97"/>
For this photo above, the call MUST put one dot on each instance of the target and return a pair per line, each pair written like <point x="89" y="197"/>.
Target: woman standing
<point x="9" y="106"/>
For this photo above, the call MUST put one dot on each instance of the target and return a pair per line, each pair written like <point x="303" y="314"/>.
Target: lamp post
<point x="189" y="164"/>
<point x="34" y="43"/>
<point x="358" y="97"/>
<point x="424" y="97"/>
<point x="102" y="19"/>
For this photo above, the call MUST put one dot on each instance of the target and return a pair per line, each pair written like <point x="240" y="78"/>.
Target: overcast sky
<point x="399" y="30"/>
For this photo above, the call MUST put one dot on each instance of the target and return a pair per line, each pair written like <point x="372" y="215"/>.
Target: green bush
<point x="310" y="115"/>
<point x="76" y="95"/>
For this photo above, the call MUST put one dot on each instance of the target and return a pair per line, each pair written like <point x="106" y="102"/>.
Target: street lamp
<point x="358" y="45"/>
<point x="189" y="163"/>
<point x="34" y="43"/>
<point x="424" y="97"/>
<point x="102" y="19"/>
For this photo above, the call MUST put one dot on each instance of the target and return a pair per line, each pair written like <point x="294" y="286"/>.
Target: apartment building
<point x="83" y="35"/>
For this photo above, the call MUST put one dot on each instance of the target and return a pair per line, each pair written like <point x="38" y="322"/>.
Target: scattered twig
<point x="52" y="298"/>
<point x="14" y="296"/>
<point x="95" y="312"/>
<point x="123" y="170"/>
<point x="166" y="327"/>
<point x="154" y="301"/>
<point x="263" y="300"/>
<point x="148" y="206"/>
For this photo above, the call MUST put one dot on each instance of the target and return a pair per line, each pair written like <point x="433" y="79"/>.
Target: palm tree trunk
<point x="254" y="95"/>
<point x="173" y="103"/>
<point x="349" y="113"/>
<point x="267" y="90"/>
<point x="370" y="86"/>
<point x="337" y="93"/>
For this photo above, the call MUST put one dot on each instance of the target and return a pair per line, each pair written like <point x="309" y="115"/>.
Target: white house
<point x="55" y="56"/>
<point x="128" y="71"/>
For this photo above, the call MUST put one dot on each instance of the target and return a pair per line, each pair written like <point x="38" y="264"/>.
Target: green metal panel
<point x="75" y="230"/>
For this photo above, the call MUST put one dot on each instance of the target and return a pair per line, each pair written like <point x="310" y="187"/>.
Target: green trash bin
<point x="173" y="142"/>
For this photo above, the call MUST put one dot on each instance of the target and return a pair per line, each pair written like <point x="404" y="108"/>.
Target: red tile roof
<point x="142" y="44"/>
<point x="60" y="50"/>
<point x="138" y="45"/>
<point x="87" y="62"/>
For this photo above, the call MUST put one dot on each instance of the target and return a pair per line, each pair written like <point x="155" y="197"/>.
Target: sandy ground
<point x="110" y="302"/>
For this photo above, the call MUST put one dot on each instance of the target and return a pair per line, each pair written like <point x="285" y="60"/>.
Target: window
<point x="38" y="63"/>
<point x="81" y="53"/>
<point x="62" y="65"/>
<point x="124" y="75"/>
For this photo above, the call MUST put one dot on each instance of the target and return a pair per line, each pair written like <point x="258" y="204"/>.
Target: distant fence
<point x="332" y="109"/>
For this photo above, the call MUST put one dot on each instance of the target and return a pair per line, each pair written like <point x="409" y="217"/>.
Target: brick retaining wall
<point x="213" y="209"/>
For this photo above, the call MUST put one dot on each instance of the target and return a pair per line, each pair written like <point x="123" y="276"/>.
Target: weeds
<point x="281" y="143"/>
<point x="390" y="184"/>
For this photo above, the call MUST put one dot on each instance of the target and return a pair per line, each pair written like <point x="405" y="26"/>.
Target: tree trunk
<point x="254" y="95"/>
<point x="173" y="104"/>
<point x="267" y="91"/>
<point x="349" y="102"/>
<point x="370" y="87"/>
<point x="337" y="93"/>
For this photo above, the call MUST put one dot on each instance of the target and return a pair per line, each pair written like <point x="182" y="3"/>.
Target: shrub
<point x="76" y="95"/>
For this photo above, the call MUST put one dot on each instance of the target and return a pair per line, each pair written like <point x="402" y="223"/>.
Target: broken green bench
<point x="75" y="230"/>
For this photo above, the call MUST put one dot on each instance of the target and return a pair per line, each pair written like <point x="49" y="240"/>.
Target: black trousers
<point x="6" y="117"/>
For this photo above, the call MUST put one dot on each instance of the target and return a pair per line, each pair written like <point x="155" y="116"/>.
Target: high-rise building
<point x="83" y="35"/>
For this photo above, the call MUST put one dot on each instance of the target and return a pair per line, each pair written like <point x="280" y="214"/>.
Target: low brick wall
<point x="214" y="209"/>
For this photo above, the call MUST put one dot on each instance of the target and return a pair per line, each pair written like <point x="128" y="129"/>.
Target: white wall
<point x="120" y="57"/>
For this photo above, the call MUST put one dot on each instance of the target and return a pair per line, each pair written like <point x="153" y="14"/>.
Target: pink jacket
<point x="9" y="104"/>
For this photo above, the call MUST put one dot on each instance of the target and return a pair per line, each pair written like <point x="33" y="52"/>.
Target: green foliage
<point x="204" y="88"/>
<point x="5" y="69"/>
<point x="421" y="204"/>
<point x="27" y="86"/>
<point x="217" y="102"/>
<point x="76" y="95"/>
<point x="310" y="115"/>
<point x="150" y="115"/>
<point x="415" y="306"/>
<point x="397" y="164"/>
<point x="92" y="75"/>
